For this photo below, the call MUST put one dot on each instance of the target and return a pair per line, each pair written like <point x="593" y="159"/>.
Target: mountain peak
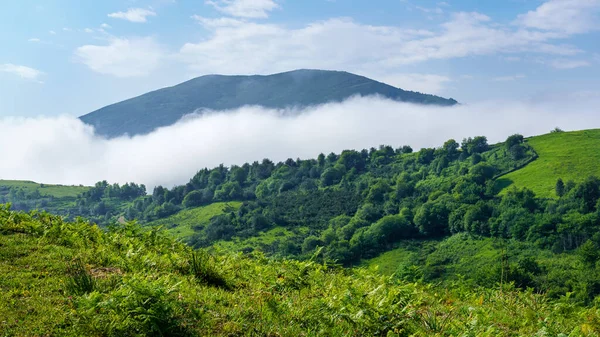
<point x="300" y="88"/>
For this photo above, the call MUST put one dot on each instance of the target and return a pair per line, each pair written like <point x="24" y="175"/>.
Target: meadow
<point x="566" y="155"/>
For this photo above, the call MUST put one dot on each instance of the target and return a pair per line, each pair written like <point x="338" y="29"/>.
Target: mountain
<point x="143" y="114"/>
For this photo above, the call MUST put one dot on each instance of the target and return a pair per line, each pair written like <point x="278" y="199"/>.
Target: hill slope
<point x="71" y="279"/>
<point x="566" y="155"/>
<point x="56" y="191"/>
<point x="164" y="107"/>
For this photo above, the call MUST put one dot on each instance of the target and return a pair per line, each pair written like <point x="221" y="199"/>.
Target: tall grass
<point x="204" y="268"/>
<point x="79" y="279"/>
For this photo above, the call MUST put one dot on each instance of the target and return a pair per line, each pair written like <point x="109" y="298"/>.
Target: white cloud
<point x="88" y="30"/>
<point x="122" y="57"/>
<point x="244" y="8"/>
<point x="435" y="10"/>
<point x="70" y="153"/>
<point x="138" y="15"/>
<point x="35" y="40"/>
<point x="508" y="78"/>
<point x="567" y="16"/>
<point x="213" y="23"/>
<point x="242" y="47"/>
<point x="105" y="26"/>
<point x="567" y="64"/>
<point x="51" y="32"/>
<point x="21" y="71"/>
<point x="425" y="83"/>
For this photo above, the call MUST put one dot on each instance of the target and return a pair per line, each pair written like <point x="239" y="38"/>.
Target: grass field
<point x="57" y="191"/>
<point x="567" y="155"/>
<point x="263" y="239"/>
<point x="181" y="223"/>
<point x="388" y="262"/>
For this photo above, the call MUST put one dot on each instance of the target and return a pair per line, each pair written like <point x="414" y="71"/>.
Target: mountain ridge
<point x="297" y="88"/>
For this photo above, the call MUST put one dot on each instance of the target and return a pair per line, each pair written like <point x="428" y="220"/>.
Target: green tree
<point x="560" y="188"/>
<point x="588" y="252"/>
<point x="450" y="149"/>
<point x="193" y="199"/>
<point x="310" y="243"/>
<point x="432" y="218"/>
<point x="513" y="140"/>
<point x="331" y="176"/>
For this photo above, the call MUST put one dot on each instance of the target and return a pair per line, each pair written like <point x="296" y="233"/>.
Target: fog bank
<point x="63" y="150"/>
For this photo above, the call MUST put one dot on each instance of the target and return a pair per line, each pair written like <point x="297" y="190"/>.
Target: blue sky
<point x="72" y="57"/>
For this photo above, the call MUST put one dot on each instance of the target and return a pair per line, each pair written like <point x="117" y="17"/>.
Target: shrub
<point x="141" y="306"/>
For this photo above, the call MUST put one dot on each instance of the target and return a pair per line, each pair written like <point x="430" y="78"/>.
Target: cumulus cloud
<point x="64" y="150"/>
<point x="244" y="8"/>
<point x="567" y="16"/>
<point x="122" y="57"/>
<point x="21" y="71"/>
<point x="245" y="47"/>
<point x="137" y="15"/>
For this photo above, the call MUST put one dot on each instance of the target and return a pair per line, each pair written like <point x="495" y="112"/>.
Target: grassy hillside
<point x="57" y="191"/>
<point x="567" y="155"/>
<point x="267" y="241"/>
<point x="182" y="224"/>
<point x="72" y="279"/>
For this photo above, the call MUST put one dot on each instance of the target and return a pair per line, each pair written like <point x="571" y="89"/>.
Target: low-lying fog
<point x="63" y="150"/>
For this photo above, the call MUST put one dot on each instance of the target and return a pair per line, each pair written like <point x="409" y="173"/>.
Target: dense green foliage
<point x="486" y="262"/>
<point x="357" y="205"/>
<point x="102" y="203"/>
<point x="72" y="279"/>
<point x="301" y="88"/>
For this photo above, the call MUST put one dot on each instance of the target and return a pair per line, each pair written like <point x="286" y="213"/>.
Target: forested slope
<point x="356" y="205"/>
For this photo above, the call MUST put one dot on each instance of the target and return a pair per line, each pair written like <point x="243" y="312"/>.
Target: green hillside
<point x="566" y="155"/>
<point x="478" y="261"/>
<point x="57" y="191"/>
<point x="182" y="224"/>
<point x="72" y="279"/>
